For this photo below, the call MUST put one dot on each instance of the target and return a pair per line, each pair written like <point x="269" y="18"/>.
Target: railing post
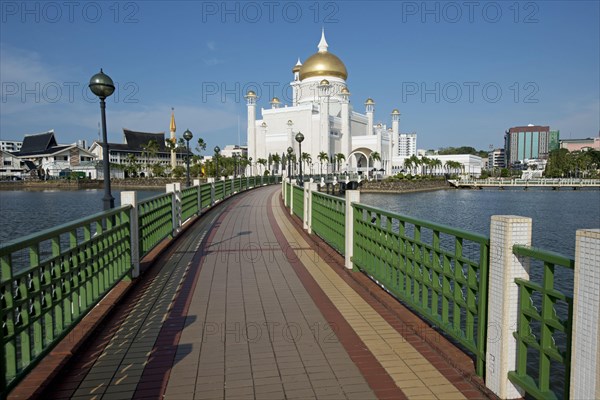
<point x="503" y="301"/>
<point x="585" y="352"/>
<point x="306" y="218"/>
<point x="212" y="190"/>
<point x="134" y="233"/>
<point x="175" y="188"/>
<point x="284" y="191"/>
<point x="293" y="183"/>
<point x="352" y="196"/>
<point x="197" y="184"/>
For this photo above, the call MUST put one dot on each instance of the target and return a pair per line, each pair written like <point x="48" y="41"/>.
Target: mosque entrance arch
<point x="358" y="161"/>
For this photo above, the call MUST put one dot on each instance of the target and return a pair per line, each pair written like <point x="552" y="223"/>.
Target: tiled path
<point x="243" y="307"/>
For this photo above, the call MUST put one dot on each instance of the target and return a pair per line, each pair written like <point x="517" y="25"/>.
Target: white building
<point x="470" y="165"/>
<point x="233" y="149"/>
<point x="50" y="158"/>
<point x="11" y="165"/>
<point x="407" y="147"/>
<point x="322" y="112"/>
<point x="10" y="145"/>
<point x="496" y="159"/>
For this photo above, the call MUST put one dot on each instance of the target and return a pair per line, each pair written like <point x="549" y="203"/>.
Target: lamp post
<point x="299" y="139"/>
<point x="251" y="170"/>
<point x="217" y="151"/>
<point x="234" y="165"/>
<point x="290" y="150"/>
<point x="102" y="86"/>
<point x="187" y="135"/>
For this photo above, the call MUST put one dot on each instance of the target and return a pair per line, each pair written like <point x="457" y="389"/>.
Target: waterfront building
<point x="529" y="142"/>
<point x="11" y="166"/>
<point x="496" y="159"/>
<point x="471" y="165"/>
<point x="42" y="153"/>
<point x="136" y="149"/>
<point x="231" y="150"/>
<point x="406" y="147"/>
<point x="10" y="145"/>
<point x="580" y="144"/>
<point x="322" y="111"/>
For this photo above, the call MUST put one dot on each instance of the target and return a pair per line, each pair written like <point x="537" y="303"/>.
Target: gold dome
<point x="323" y="64"/>
<point x="251" y="93"/>
<point x="369" y="101"/>
<point x="324" y="82"/>
<point x="345" y="90"/>
<point x="275" y="100"/>
<point x="395" y="111"/>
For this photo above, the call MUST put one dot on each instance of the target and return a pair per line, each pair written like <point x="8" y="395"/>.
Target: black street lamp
<point x="251" y="170"/>
<point x="299" y="139"/>
<point x="234" y="165"/>
<point x="217" y="151"/>
<point x="102" y="86"/>
<point x="290" y="150"/>
<point x="187" y="135"/>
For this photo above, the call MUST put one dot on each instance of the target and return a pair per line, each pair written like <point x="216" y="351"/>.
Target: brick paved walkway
<point x="243" y="307"/>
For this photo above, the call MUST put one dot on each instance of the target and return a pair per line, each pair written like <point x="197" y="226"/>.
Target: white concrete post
<point x="352" y="196"/>
<point x="284" y="191"/>
<point x="197" y="184"/>
<point x="292" y="196"/>
<point x="503" y="301"/>
<point x="308" y="189"/>
<point x="585" y="348"/>
<point x="175" y="188"/>
<point x="212" y="190"/>
<point x="131" y="198"/>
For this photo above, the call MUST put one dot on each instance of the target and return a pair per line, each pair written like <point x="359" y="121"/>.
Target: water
<point x="23" y="212"/>
<point x="556" y="214"/>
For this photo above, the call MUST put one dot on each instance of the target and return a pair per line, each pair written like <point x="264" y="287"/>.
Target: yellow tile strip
<point x="412" y="372"/>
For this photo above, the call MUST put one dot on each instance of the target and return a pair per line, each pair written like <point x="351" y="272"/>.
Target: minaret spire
<point x="323" y="43"/>
<point x="173" y="127"/>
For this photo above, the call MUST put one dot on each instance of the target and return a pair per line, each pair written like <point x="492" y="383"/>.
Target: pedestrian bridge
<point x="217" y="291"/>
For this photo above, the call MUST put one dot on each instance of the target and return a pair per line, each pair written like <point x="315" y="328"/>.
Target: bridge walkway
<point x="243" y="306"/>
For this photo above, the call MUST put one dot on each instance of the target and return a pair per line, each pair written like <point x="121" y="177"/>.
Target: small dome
<point x="369" y="101"/>
<point x="275" y="100"/>
<point x="345" y="90"/>
<point x="251" y="93"/>
<point x="264" y="124"/>
<point x="324" y="82"/>
<point x="395" y="111"/>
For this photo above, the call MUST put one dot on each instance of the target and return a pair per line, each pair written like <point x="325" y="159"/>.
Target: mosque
<point x="322" y="112"/>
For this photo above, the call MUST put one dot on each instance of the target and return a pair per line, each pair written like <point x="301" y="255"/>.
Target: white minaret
<point x="173" y="128"/>
<point x="394" y="135"/>
<point x="346" y="137"/>
<point x="296" y="83"/>
<point x="251" y="103"/>
<point x="324" y="126"/>
<point x="370" y="109"/>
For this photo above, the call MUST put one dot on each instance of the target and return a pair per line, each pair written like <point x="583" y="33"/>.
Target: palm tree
<point x="149" y="151"/>
<point x="436" y="164"/>
<point x="415" y="162"/>
<point x="339" y="157"/>
<point x="322" y="158"/>
<point x="276" y="160"/>
<point x="201" y="146"/>
<point x="262" y="162"/>
<point x="305" y="158"/>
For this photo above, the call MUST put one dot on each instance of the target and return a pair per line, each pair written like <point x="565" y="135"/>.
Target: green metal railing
<point x="155" y="216"/>
<point x="227" y="187"/>
<point x="205" y="190"/>
<point x="50" y="280"/>
<point x="189" y="202"/>
<point x="440" y="271"/>
<point x="298" y="196"/>
<point x="542" y="333"/>
<point x="328" y="219"/>
<point x="288" y="193"/>
<point x="219" y="190"/>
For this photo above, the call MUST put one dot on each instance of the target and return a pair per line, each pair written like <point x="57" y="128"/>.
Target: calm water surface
<point x="556" y="214"/>
<point x="23" y="212"/>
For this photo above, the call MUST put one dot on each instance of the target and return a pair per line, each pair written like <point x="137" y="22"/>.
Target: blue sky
<point x="461" y="73"/>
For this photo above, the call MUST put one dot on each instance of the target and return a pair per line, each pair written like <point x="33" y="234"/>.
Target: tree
<point x="201" y="146"/>
<point x="262" y="162"/>
<point x="305" y="159"/>
<point x="178" y="171"/>
<point x="436" y="164"/>
<point x="322" y="157"/>
<point x="157" y="169"/>
<point x="149" y="152"/>
<point x="339" y="157"/>
<point x="415" y="163"/>
<point x="132" y="166"/>
<point x="276" y="160"/>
